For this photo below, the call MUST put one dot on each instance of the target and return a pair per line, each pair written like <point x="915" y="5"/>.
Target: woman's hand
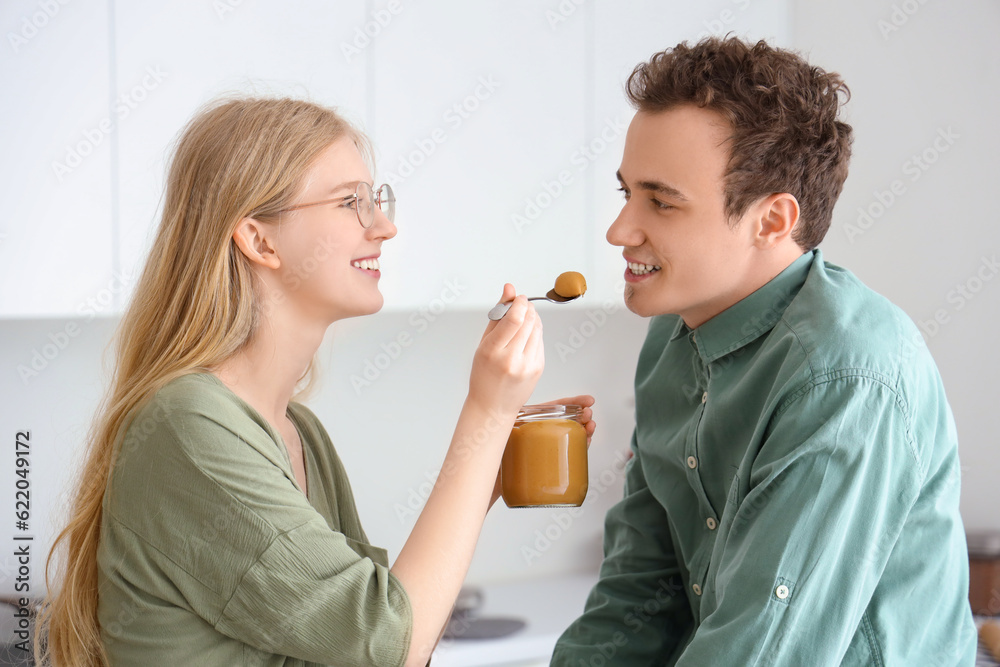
<point x="586" y="416"/>
<point x="510" y="358"/>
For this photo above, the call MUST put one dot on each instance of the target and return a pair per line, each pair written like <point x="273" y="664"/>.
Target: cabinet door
<point x="174" y="57"/>
<point x="477" y="112"/>
<point x="57" y="131"/>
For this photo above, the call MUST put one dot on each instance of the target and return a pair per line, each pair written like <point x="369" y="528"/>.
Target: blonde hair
<point x="197" y="303"/>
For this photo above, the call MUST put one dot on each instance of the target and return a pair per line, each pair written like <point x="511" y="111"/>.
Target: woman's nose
<point x="382" y="228"/>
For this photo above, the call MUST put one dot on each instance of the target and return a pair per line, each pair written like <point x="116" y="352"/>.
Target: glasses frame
<point x="383" y="195"/>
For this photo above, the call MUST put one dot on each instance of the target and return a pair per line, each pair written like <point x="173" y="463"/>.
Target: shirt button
<point x="781" y="591"/>
<point x="692" y="462"/>
<point x="711" y="523"/>
<point x="696" y="588"/>
<point x="704" y="397"/>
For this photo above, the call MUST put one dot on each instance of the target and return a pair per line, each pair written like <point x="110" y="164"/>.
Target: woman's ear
<point x="253" y="238"/>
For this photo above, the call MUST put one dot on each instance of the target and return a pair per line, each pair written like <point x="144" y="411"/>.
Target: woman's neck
<point x="265" y="372"/>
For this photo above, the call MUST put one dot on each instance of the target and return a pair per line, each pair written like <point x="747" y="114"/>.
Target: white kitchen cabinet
<point x="500" y="126"/>
<point x="206" y="49"/>
<point x="56" y="128"/>
<point x="478" y="108"/>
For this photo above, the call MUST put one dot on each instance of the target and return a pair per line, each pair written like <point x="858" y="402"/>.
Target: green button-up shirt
<point x="211" y="554"/>
<point x="793" y="494"/>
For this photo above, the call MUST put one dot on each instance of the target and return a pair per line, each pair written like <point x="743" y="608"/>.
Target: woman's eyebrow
<point x="349" y="184"/>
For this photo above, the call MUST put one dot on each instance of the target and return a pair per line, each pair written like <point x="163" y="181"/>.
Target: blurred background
<point x="500" y="126"/>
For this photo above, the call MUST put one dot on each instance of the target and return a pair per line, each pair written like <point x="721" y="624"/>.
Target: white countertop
<point x="548" y="605"/>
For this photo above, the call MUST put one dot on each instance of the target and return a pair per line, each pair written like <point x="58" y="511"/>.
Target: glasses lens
<point x="366" y="209"/>
<point x="386" y="200"/>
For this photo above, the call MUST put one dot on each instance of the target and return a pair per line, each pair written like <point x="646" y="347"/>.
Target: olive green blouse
<point x="211" y="554"/>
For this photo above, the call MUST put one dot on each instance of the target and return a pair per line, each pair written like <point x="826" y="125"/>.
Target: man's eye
<point x="624" y="192"/>
<point x="660" y="205"/>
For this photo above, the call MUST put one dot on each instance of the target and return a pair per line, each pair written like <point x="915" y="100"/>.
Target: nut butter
<point x="545" y="461"/>
<point x="570" y="285"/>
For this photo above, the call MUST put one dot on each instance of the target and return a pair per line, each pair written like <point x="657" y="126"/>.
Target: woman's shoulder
<point x="196" y="396"/>
<point x="193" y="392"/>
<point x="190" y="408"/>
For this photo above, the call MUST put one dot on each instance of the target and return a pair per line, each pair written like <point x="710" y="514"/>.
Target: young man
<point x="793" y="494"/>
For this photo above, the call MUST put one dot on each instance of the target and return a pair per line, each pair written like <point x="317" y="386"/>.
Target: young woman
<point x="214" y="523"/>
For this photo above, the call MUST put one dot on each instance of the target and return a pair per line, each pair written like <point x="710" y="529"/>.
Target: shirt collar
<point x="751" y="317"/>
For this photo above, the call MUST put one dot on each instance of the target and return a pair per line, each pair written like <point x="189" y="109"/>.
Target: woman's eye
<point x="351" y="202"/>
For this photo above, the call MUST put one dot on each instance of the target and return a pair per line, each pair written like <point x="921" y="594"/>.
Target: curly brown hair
<point x="783" y="114"/>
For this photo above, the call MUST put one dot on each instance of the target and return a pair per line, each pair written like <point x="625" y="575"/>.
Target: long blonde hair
<point x="197" y="303"/>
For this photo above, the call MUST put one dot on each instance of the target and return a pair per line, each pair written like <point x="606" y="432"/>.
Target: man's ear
<point x="779" y="213"/>
<point x="253" y="238"/>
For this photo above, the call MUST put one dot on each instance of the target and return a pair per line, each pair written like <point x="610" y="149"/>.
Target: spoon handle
<point x="498" y="311"/>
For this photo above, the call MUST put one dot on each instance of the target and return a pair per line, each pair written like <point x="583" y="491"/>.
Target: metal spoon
<point x="571" y="280"/>
<point x="499" y="310"/>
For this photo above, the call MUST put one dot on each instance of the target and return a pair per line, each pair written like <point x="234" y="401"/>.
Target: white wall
<point x="937" y="71"/>
<point x="126" y="76"/>
<point x="924" y="81"/>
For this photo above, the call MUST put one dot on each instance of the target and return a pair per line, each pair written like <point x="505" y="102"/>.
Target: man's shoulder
<point x="841" y="323"/>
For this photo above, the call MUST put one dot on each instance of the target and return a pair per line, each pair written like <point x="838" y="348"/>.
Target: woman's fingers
<point x="586" y="415"/>
<point x="510" y="323"/>
<point x="528" y="323"/>
<point x="586" y="400"/>
<point x="507" y="296"/>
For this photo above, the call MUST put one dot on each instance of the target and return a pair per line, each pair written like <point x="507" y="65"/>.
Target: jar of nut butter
<point x="545" y="461"/>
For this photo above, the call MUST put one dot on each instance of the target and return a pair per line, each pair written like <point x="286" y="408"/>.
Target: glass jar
<point x="545" y="461"/>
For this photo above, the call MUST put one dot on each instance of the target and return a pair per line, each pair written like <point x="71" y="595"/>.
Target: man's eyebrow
<point x="656" y="186"/>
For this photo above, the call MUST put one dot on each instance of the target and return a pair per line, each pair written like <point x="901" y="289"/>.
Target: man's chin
<point x="641" y="306"/>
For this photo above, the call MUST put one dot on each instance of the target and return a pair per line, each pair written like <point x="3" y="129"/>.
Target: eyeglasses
<point x="363" y="201"/>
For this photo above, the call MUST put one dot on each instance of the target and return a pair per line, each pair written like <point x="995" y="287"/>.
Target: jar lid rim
<point x="561" y="410"/>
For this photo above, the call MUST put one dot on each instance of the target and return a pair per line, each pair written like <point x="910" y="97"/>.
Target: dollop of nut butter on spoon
<point x="569" y="285"/>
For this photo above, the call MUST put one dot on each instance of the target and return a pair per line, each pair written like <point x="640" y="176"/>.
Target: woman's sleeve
<point x="229" y="535"/>
<point x="309" y="595"/>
